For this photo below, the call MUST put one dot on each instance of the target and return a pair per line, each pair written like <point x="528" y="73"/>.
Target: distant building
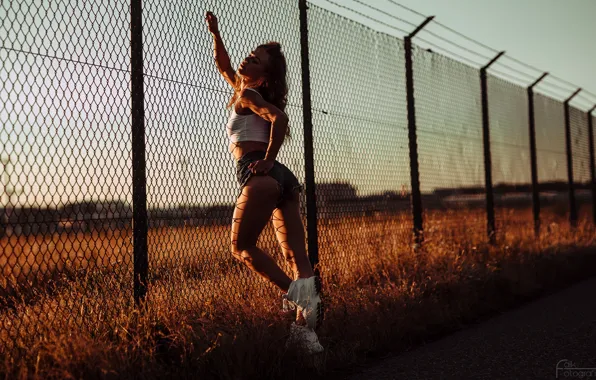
<point x="329" y="194"/>
<point x="334" y="191"/>
<point x="83" y="216"/>
<point x="28" y="221"/>
<point x="90" y="215"/>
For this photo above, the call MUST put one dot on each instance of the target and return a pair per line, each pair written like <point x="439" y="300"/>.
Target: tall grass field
<point x="67" y="308"/>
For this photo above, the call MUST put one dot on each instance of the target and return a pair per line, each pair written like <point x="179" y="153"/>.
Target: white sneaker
<point x="304" y="294"/>
<point x="305" y="338"/>
<point x="286" y="305"/>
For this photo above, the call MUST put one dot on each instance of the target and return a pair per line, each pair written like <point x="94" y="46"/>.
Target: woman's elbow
<point x="281" y="118"/>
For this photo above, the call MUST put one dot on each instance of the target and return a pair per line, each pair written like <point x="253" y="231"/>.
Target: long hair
<point x="273" y="87"/>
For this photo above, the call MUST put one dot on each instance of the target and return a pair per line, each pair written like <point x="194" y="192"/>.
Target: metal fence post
<point x="572" y="205"/>
<point x="416" y="198"/>
<point x="533" y="159"/>
<point x="138" y="152"/>
<point x="592" y="162"/>
<point x="311" y="202"/>
<point x="490" y="203"/>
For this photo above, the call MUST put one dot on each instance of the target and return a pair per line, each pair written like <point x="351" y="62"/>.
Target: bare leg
<point x="289" y="231"/>
<point x="253" y="210"/>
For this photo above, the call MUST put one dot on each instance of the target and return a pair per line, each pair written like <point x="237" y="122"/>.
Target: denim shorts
<point x="286" y="180"/>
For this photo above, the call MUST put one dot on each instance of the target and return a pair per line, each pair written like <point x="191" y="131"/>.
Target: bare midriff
<point x="240" y="148"/>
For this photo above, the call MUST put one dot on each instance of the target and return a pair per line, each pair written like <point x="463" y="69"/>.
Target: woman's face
<point x="254" y="67"/>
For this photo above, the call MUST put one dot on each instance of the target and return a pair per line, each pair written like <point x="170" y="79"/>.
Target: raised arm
<point x="222" y="59"/>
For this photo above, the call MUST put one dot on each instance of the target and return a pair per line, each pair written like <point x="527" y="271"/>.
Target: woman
<point x="256" y="129"/>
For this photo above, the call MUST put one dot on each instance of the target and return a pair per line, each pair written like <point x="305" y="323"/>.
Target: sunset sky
<point x="64" y="82"/>
<point x="551" y="35"/>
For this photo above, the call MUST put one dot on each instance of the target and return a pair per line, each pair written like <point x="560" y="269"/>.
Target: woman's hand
<point x="261" y="166"/>
<point x="211" y="23"/>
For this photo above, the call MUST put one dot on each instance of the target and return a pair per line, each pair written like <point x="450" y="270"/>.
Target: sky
<point x="66" y="98"/>
<point x="551" y="35"/>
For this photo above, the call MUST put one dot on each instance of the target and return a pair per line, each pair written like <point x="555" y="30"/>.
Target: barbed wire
<point x="553" y="85"/>
<point x="365" y="16"/>
<point x="387" y="14"/>
<point x="426" y="31"/>
<point x="505" y="57"/>
<point x="447" y="52"/>
<point x="506" y="75"/>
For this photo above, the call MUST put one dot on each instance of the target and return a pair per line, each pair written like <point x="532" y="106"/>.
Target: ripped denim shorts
<point x="286" y="180"/>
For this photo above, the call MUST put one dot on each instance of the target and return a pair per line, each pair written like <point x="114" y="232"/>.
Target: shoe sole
<point x="319" y="309"/>
<point x="296" y="339"/>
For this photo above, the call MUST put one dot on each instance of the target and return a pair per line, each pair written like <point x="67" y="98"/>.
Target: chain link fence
<point x="550" y="154"/>
<point x="66" y="144"/>
<point x="360" y="143"/>
<point x="449" y="131"/>
<point x="510" y="148"/>
<point x="581" y="161"/>
<point x="191" y="185"/>
<point x="67" y="153"/>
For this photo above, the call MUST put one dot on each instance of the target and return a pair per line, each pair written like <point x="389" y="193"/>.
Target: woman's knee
<point x="240" y="249"/>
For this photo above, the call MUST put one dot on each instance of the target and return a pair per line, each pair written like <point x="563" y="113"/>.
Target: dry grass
<point x="207" y="316"/>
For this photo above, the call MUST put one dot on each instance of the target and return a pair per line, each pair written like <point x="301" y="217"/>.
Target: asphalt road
<point x="531" y="342"/>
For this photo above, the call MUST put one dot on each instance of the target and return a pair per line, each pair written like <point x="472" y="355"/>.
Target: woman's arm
<point x="222" y="59"/>
<point x="269" y="112"/>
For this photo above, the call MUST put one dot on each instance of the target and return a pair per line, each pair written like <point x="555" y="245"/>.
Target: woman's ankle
<point x="306" y="274"/>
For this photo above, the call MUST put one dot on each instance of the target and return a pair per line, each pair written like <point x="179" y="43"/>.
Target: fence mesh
<point x="449" y="128"/>
<point x="581" y="162"/>
<point x="360" y="142"/>
<point x="66" y="215"/>
<point x="552" y="160"/>
<point x="65" y="115"/>
<point x="510" y="154"/>
<point x="191" y="178"/>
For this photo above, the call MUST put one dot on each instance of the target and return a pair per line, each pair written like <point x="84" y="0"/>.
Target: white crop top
<point x="247" y="127"/>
